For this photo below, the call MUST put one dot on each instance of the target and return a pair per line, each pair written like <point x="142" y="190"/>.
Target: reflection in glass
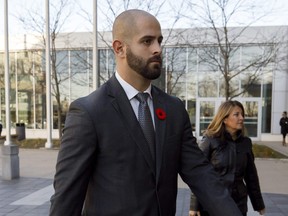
<point x="106" y="64"/>
<point x="207" y="59"/>
<point x="251" y="117"/>
<point x="251" y="84"/>
<point x="191" y="109"/>
<point x="266" y="101"/>
<point x="208" y="84"/>
<point x="233" y="90"/>
<point x="207" y="112"/>
<point x="175" y="61"/>
<point x="79" y="74"/>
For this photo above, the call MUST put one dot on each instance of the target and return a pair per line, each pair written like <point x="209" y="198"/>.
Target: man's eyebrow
<point x="151" y="37"/>
<point x="147" y="37"/>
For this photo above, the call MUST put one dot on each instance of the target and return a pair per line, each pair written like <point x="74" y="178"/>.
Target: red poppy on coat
<point x="161" y="114"/>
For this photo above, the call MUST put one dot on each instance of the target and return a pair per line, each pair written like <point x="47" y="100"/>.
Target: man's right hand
<point x="194" y="213"/>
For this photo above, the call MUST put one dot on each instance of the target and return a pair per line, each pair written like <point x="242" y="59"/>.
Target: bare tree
<point x="220" y="44"/>
<point x="34" y="20"/>
<point x="111" y="9"/>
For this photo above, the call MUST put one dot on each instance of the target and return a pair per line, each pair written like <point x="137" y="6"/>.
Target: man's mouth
<point x="156" y="59"/>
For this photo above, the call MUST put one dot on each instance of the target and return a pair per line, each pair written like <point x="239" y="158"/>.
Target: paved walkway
<point x="29" y="195"/>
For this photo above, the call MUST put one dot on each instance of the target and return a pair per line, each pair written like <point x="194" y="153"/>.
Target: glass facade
<point x="188" y="73"/>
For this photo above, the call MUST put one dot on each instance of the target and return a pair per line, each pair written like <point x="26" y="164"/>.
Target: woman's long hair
<point x="217" y="127"/>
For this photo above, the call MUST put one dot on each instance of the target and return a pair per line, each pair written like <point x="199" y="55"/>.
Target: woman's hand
<point x="194" y="213"/>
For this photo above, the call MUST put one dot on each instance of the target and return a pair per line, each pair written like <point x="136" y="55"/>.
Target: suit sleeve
<point x="74" y="162"/>
<point x="205" y="147"/>
<point x="252" y="182"/>
<point x="199" y="175"/>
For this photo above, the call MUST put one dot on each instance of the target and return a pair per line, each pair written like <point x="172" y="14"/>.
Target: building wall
<point x="280" y="98"/>
<point x="188" y="86"/>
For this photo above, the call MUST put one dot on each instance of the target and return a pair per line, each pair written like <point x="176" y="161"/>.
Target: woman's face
<point x="234" y="121"/>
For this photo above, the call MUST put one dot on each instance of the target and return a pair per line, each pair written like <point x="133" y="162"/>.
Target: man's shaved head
<point x="125" y="24"/>
<point x="137" y="39"/>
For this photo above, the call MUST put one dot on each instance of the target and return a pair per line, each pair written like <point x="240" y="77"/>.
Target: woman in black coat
<point x="284" y="126"/>
<point x="230" y="153"/>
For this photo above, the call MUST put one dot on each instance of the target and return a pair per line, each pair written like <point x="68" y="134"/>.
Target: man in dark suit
<point x="105" y="166"/>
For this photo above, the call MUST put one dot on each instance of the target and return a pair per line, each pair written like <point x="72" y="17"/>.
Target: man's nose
<point x="157" y="48"/>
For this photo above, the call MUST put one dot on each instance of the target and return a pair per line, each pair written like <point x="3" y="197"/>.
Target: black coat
<point x="105" y="162"/>
<point x="284" y="125"/>
<point x="234" y="161"/>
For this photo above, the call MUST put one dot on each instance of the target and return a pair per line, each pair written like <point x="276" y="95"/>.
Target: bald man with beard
<point x="105" y="166"/>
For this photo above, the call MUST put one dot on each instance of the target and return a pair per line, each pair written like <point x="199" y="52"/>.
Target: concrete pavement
<point x="29" y="195"/>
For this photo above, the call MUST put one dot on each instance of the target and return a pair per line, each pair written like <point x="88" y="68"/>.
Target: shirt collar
<point x="130" y="91"/>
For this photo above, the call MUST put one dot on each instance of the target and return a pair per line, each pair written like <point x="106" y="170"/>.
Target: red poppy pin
<point x="160" y="114"/>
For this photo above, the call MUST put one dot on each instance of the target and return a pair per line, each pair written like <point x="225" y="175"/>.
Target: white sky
<point x="277" y="13"/>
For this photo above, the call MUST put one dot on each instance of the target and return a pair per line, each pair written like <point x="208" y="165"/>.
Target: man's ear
<point x="118" y="48"/>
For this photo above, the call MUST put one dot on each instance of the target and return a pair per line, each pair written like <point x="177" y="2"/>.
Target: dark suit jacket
<point x="104" y="162"/>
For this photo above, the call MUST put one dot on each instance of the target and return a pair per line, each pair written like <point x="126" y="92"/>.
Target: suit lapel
<point x="160" y="125"/>
<point x="123" y="107"/>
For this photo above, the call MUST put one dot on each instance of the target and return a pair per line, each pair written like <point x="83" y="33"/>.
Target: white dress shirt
<point x="131" y="92"/>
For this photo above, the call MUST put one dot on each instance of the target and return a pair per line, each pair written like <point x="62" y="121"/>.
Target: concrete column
<point x="10" y="162"/>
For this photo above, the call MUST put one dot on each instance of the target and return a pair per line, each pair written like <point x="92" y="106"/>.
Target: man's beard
<point x="139" y="65"/>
